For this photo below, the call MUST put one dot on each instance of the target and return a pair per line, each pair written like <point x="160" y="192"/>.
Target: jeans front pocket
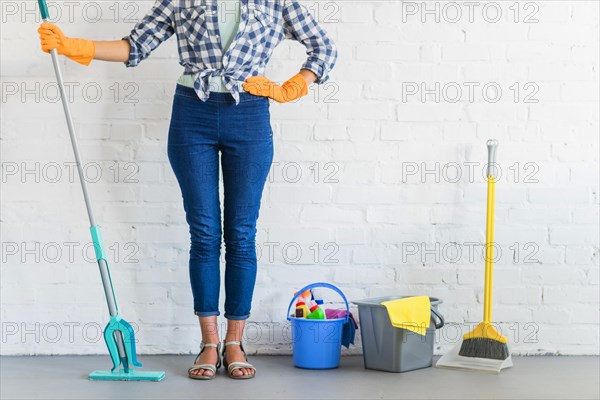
<point x="250" y="120"/>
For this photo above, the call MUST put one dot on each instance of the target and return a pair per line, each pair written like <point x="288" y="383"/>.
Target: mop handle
<point x="44" y="9"/>
<point x="95" y="230"/>
<point x="492" y="146"/>
<point x="61" y="86"/>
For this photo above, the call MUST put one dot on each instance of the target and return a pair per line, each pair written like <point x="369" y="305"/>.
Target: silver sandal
<point x="209" y="367"/>
<point x="237" y="364"/>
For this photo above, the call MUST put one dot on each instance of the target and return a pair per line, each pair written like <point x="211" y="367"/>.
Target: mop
<point x="118" y="334"/>
<point x="483" y="348"/>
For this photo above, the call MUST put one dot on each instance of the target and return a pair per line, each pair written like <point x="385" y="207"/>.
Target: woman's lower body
<point x="241" y="134"/>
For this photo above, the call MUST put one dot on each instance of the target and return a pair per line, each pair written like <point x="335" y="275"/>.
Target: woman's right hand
<point x="79" y="50"/>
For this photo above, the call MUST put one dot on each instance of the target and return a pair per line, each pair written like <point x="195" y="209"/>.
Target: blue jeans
<point x="198" y="132"/>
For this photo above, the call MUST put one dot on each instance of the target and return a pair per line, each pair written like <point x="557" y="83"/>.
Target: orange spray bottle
<point x="302" y="310"/>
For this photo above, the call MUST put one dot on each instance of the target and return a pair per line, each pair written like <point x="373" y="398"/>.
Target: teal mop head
<point x="132" y="375"/>
<point x="120" y="340"/>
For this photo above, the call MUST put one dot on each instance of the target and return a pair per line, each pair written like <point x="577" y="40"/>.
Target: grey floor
<point x="63" y="377"/>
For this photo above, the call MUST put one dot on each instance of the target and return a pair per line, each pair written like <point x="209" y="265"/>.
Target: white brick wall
<point x="378" y="184"/>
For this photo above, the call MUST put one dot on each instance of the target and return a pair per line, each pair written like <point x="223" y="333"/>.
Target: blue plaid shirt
<point x="263" y="25"/>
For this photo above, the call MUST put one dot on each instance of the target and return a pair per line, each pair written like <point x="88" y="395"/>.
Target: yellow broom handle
<point x="489" y="231"/>
<point x="489" y="250"/>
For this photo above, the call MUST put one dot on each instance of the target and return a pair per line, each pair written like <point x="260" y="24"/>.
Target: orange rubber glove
<point x="79" y="50"/>
<point x="292" y="89"/>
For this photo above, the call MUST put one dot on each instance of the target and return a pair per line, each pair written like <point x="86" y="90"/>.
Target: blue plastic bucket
<point x="316" y="344"/>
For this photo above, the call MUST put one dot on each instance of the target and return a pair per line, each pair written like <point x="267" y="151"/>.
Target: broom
<point x="485" y="341"/>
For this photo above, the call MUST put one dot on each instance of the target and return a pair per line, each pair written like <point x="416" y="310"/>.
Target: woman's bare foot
<point x="233" y="352"/>
<point x="208" y="356"/>
<point x="210" y="334"/>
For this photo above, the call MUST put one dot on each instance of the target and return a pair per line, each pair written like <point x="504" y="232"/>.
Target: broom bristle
<point x="484" y="348"/>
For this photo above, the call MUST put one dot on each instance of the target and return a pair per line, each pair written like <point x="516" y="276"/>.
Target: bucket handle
<point x="440" y="324"/>
<point x="315" y="285"/>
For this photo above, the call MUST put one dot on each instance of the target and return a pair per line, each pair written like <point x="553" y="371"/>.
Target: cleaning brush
<point x="485" y="341"/>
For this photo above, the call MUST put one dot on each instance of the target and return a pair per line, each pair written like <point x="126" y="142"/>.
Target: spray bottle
<point x="317" y="296"/>
<point x="302" y="310"/>
<point x="316" y="312"/>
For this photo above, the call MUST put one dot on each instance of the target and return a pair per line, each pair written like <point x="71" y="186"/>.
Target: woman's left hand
<point x="292" y="89"/>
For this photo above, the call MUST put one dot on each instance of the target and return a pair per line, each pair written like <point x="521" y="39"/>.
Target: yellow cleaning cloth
<point x="411" y="313"/>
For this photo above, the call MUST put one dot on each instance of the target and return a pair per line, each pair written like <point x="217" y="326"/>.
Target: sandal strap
<point x="234" y="342"/>
<point x="239" y="365"/>
<point x="202" y="344"/>
<point x="209" y="367"/>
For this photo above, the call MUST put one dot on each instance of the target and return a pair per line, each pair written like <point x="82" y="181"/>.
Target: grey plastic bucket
<point x="387" y="348"/>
